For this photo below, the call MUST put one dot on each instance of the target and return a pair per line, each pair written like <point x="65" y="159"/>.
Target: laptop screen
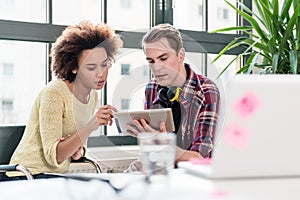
<point x="260" y="133"/>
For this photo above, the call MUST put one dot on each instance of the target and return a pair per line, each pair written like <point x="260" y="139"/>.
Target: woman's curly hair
<point x="74" y="39"/>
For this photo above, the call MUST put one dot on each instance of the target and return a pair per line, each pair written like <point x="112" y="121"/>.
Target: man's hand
<point x="185" y="155"/>
<point x="135" y="166"/>
<point x="141" y="126"/>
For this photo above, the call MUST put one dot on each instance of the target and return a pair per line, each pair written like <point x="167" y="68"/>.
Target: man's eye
<point x="163" y="59"/>
<point x="104" y="65"/>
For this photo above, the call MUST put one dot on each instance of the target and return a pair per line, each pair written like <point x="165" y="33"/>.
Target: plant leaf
<point x="265" y="13"/>
<point x="234" y="43"/>
<point x="285" y="9"/>
<point x="251" y="20"/>
<point x="289" y="29"/>
<point x="251" y="62"/>
<point x="275" y="63"/>
<point x="293" y="61"/>
<point x="234" y="28"/>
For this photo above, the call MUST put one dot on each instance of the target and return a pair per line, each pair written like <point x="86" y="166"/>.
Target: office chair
<point x="10" y="137"/>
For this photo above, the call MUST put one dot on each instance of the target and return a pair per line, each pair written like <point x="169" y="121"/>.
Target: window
<point x="223" y="14"/>
<point x="7" y="105"/>
<point x="200" y="10"/>
<point x="63" y="11"/>
<point x="7" y="4"/>
<point x="146" y="70"/>
<point x="125" y="3"/>
<point x="125" y="69"/>
<point x="125" y="104"/>
<point x="28" y="28"/>
<point x="8" y="69"/>
<point x="25" y="76"/>
<point x="188" y="15"/>
<point x="129" y="15"/>
<point x="29" y="10"/>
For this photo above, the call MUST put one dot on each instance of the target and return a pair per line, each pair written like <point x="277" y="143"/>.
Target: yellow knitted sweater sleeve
<point x="52" y="117"/>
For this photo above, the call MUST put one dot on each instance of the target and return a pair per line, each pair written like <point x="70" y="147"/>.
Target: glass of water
<point x="157" y="152"/>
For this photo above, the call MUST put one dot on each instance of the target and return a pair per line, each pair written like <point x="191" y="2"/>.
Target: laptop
<point x="260" y="130"/>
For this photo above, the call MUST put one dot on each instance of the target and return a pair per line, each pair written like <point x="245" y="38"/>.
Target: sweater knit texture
<point x="56" y="113"/>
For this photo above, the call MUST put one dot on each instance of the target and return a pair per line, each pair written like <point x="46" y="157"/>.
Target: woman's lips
<point x="100" y="83"/>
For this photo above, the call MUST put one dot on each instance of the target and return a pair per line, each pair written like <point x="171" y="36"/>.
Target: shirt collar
<point x="190" y="84"/>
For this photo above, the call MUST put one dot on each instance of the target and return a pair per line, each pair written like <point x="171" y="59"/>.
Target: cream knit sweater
<point x="56" y="113"/>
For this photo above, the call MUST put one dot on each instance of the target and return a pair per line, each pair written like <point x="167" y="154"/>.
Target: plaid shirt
<point x="199" y="102"/>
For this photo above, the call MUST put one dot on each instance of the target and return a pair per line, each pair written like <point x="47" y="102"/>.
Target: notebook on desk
<point x="260" y="133"/>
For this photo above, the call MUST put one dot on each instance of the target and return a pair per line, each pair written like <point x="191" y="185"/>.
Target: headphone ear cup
<point x="163" y="95"/>
<point x="171" y="93"/>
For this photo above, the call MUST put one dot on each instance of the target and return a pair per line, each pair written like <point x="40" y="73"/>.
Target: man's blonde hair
<point x="167" y="31"/>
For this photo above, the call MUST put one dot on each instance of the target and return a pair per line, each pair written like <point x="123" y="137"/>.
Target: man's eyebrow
<point x="162" y="55"/>
<point x="107" y="59"/>
<point x="149" y="58"/>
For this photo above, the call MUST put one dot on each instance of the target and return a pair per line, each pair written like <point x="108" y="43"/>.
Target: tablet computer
<point x="153" y="116"/>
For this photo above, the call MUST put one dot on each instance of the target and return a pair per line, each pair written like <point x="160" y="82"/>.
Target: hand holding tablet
<point x="153" y="117"/>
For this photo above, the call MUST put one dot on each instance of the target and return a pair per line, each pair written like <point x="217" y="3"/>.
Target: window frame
<point x="48" y="32"/>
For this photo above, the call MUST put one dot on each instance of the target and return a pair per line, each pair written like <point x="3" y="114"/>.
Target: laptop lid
<point x="259" y="135"/>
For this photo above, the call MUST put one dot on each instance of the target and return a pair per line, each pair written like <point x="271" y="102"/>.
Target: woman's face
<point x="93" y="68"/>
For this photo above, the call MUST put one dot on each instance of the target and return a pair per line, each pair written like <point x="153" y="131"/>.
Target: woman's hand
<point x="105" y="114"/>
<point x="141" y="126"/>
<point x="103" y="117"/>
<point x="79" y="153"/>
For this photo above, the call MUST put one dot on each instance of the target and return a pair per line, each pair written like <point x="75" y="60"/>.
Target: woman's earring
<point x="74" y="71"/>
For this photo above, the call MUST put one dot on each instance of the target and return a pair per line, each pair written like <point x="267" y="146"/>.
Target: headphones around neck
<point x="169" y="95"/>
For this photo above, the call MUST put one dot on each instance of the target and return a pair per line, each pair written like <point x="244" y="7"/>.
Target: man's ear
<point x="181" y="54"/>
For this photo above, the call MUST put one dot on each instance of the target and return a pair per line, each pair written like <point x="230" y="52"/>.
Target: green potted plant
<point x="272" y="41"/>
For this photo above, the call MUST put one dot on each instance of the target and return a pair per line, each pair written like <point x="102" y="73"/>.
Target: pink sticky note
<point x="237" y="136"/>
<point x="197" y="161"/>
<point x="247" y="105"/>
<point x="219" y="193"/>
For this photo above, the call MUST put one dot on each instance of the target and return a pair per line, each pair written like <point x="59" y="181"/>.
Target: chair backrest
<point x="10" y="137"/>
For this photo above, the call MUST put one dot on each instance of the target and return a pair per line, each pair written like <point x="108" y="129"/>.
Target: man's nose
<point x="156" y="66"/>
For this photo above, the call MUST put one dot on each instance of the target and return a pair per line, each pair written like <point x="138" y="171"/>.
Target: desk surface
<point x="178" y="185"/>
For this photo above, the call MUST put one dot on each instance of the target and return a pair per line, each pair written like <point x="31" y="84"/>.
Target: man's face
<point x="165" y="64"/>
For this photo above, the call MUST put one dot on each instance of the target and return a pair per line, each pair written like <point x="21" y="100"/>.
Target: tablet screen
<point x="153" y="116"/>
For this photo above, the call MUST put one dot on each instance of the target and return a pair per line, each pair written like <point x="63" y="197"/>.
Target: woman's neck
<point x="79" y="91"/>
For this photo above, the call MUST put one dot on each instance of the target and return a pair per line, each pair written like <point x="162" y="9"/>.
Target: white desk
<point x="178" y="185"/>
